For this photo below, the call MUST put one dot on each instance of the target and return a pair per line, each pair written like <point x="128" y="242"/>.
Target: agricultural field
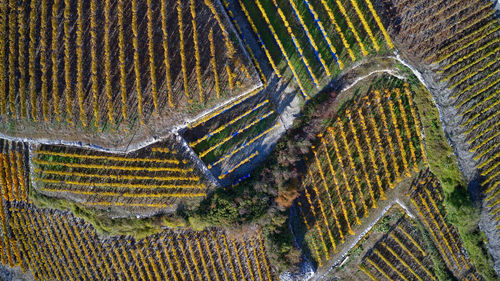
<point x="157" y="177"/>
<point x="315" y="40"/>
<point x="224" y="140"/>
<point x="400" y="254"/>
<point x="456" y="45"/>
<point x="426" y="197"/>
<point x="14" y="170"/>
<point x="369" y="154"/>
<point x="230" y="133"/>
<point x="115" y="67"/>
<point x="406" y="244"/>
<point x="55" y="245"/>
<point x="369" y="147"/>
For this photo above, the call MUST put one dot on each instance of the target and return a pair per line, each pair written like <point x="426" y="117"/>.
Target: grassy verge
<point x="139" y="228"/>
<point x="442" y="161"/>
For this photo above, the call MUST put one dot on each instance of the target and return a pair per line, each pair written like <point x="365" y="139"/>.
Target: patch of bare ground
<point x="11" y="274"/>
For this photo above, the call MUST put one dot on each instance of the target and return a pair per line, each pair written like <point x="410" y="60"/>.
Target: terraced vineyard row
<point x="399" y="255"/>
<point x="475" y="90"/>
<point x="256" y="63"/>
<point x="368" y="148"/>
<point x="315" y="39"/>
<point x="110" y="63"/>
<point x="425" y="197"/>
<point x="463" y="47"/>
<point x="154" y="177"/>
<point x="224" y="137"/>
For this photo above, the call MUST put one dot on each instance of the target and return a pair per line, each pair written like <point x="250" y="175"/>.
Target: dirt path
<point x="189" y="152"/>
<point x="7" y="273"/>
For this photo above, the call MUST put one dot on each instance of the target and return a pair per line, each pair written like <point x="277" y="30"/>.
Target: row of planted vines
<point x="111" y="63"/>
<point x="426" y="198"/>
<point x="154" y="177"/>
<point x="462" y="46"/>
<point x="401" y="254"/>
<point x="14" y="170"/>
<point x="314" y="39"/>
<point x="370" y="147"/>
<point x="473" y="73"/>
<point x="14" y="186"/>
<point x="55" y="245"/>
<point x="224" y="140"/>
<point x="439" y="27"/>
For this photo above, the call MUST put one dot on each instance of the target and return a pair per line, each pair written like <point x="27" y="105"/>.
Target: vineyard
<point x="55" y="245"/>
<point x="115" y="64"/>
<point x="462" y="49"/>
<point x="153" y="178"/>
<point x="426" y="198"/>
<point x="255" y="140"/>
<point x="400" y="255"/>
<point x="400" y="245"/>
<point x="14" y="170"/>
<point x="228" y="135"/>
<point x="315" y="40"/>
<point x="367" y="149"/>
